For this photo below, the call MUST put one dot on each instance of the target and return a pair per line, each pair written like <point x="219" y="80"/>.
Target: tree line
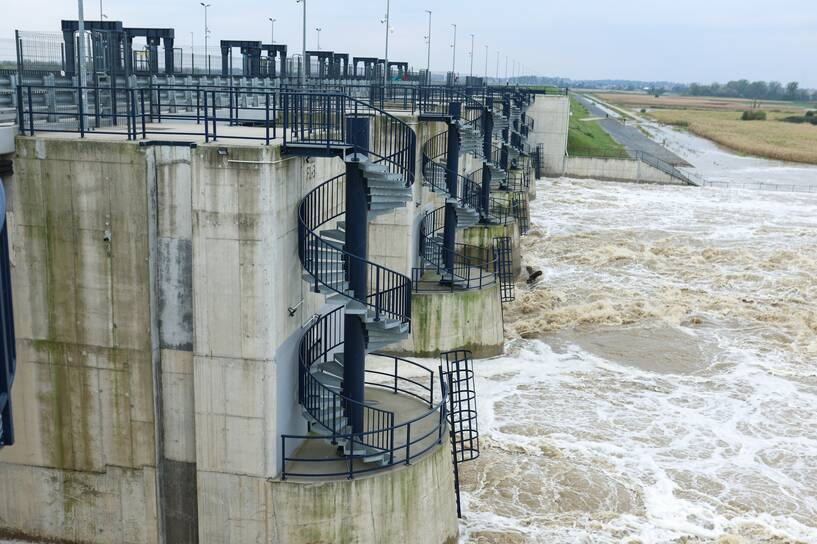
<point x="757" y="90"/>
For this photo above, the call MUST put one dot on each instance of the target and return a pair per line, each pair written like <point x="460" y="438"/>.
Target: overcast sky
<point x="681" y="40"/>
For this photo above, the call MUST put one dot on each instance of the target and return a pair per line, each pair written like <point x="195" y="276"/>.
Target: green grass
<point x="587" y="138"/>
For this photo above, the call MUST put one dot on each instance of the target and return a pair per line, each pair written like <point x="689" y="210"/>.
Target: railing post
<point x="283" y="458"/>
<point x="142" y="100"/>
<point x="395" y="375"/>
<point x="266" y="116"/>
<point x="206" y="121"/>
<point x="408" y="443"/>
<point x="351" y="441"/>
<point x="81" y="115"/>
<point x="391" y="438"/>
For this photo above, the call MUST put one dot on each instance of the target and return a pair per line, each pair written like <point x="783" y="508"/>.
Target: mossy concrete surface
<point x="413" y="503"/>
<point x="448" y="320"/>
<point x="483" y="236"/>
<point x="83" y="467"/>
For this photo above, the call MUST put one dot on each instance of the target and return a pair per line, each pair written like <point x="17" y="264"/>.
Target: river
<point x="660" y="383"/>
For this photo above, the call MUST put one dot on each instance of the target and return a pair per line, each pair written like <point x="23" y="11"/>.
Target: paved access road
<point x="629" y="135"/>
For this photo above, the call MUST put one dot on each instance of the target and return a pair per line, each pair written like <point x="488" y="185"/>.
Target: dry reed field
<point x="718" y="119"/>
<point x="637" y="101"/>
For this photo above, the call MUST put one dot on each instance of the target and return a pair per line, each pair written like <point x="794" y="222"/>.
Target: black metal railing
<point x="393" y="442"/>
<point x="8" y="350"/>
<point x="473" y="266"/>
<point x="435" y="172"/>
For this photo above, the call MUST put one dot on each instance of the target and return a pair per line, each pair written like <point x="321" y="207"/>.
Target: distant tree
<point x="775" y="90"/>
<point x="791" y="90"/>
<point x="757" y="90"/>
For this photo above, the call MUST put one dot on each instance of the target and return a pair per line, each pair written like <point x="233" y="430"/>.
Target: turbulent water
<point x="661" y="380"/>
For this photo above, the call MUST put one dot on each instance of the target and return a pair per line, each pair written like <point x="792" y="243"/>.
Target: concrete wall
<point x="85" y="464"/>
<point x="551" y="118"/>
<point x="156" y="368"/>
<point x="616" y="170"/>
<point x="444" y="320"/>
<point x="409" y="504"/>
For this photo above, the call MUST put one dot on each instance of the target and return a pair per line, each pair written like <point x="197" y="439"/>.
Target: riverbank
<point x="719" y="120"/>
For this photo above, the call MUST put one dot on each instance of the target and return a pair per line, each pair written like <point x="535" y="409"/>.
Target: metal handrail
<point x="327" y="333"/>
<point x="435" y="153"/>
<point x="474" y="267"/>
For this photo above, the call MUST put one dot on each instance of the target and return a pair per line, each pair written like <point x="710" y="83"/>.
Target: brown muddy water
<point x="661" y="381"/>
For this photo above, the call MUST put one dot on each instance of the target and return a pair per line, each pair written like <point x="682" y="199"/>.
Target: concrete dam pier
<point x="249" y="304"/>
<point x="214" y="321"/>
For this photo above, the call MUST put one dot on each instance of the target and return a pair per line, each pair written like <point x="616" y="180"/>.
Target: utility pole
<point x="497" y="66"/>
<point x="454" y="55"/>
<point x="486" y="64"/>
<point x="506" y="68"/>
<point x="428" y="40"/>
<point x="471" y="71"/>
<point x="192" y="56"/>
<point x="272" y="32"/>
<point x="386" y="56"/>
<point x="303" y="50"/>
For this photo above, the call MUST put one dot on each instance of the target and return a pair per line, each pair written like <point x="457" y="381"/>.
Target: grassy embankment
<point x="587" y="138"/>
<point x="718" y="119"/>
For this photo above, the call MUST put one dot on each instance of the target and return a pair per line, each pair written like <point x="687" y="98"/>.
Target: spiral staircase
<point x="386" y="169"/>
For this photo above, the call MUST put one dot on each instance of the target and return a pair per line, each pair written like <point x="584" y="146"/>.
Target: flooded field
<point x="661" y="380"/>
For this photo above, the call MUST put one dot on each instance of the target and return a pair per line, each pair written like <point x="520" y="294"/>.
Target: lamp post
<point x="428" y="41"/>
<point x="206" y="33"/>
<point x="192" y="56"/>
<point x="486" y="64"/>
<point x="497" y="66"/>
<point x="506" y="68"/>
<point x="386" y="55"/>
<point x="318" y="29"/>
<point x="303" y="49"/>
<point x="454" y="53"/>
<point x="471" y="69"/>
<point x="272" y="31"/>
<point x="81" y="29"/>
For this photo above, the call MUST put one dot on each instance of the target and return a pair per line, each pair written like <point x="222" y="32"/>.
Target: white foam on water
<point x="582" y="443"/>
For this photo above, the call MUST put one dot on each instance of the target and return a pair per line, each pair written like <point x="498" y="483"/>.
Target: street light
<point x="497" y="66"/>
<point x="272" y="32"/>
<point x="319" y="37"/>
<point x="471" y="70"/>
<point x="486" y="64"/>
<point x="206" y="33"/>
<point x="454" y="53"/>
<point x="428" y="40"/>
<point x="303" y="50"/>
<point x="386" y="56"/>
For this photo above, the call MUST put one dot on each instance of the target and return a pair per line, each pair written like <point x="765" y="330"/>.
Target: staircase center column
<point x="451" y="171"/>
<point x="487" y="139"/>
<point x="354" y="347"/>
<point x="506" y="139"/>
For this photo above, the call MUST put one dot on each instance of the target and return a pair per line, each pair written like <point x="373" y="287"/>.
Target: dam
<point x="249" y="304"/>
